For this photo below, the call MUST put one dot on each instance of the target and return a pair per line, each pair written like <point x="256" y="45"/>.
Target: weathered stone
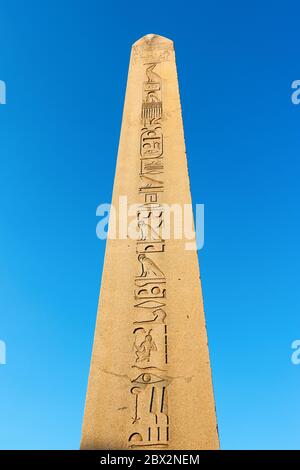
<point x="150" y="380"/>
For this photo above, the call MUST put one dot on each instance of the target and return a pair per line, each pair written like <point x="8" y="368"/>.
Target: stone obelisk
<point x="150" y="381"/>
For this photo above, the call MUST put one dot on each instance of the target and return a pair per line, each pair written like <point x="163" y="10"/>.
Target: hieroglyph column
<point x="150" y="381"/>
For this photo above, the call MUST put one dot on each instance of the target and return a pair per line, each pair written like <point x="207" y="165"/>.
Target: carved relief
<point x="149" y="268"/>
<point x="145" y="378"/>
<point x="140" y="53"/>
<point x="155" y="430"/>
<point x="151" y="145"/>
<point x="150" y="304"/>
<point x="158" y="316"/>
<point x="144" y="348"/>
<point x="150" y="247"/>
<point x="149" y="383"/>
<point x="151" y="182"/>
<point x="152" y="104"/>
<point x="152" y="167"/>
<point x="151" y="289"/>
<point x="147" y="232"/>
<point x="135" y="391"/>
<point x="151" y="187"/>
<point x="144" y="375"/>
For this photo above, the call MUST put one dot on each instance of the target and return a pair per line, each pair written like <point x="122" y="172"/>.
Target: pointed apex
<point x="153" y="40"/>
<point x="152" y="47"/>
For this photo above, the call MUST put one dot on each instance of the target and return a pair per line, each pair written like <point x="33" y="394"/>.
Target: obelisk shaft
<point x="150" y="379"/>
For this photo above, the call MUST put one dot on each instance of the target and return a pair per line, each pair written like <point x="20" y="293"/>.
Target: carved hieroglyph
<point x="150" y="380"/>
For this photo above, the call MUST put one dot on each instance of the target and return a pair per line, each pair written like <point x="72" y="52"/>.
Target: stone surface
<point x="150" y="379"/>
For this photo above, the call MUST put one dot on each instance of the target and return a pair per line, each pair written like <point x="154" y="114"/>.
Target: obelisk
<point x="150" y="383"/>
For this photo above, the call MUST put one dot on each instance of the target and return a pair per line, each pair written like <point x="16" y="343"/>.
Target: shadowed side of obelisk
<point x="150" y="380"/>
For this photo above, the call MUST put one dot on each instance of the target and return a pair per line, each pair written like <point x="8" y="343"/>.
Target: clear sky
<point x="65" y="65"/>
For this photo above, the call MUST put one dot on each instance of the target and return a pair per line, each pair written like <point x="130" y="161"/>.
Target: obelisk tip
<point x="153" y="40"/>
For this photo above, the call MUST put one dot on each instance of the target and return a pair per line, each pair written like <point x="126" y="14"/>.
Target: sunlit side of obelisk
<point x="150" y="383"/>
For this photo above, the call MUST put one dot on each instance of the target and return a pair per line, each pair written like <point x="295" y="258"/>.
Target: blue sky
<point x="65" y="65"/>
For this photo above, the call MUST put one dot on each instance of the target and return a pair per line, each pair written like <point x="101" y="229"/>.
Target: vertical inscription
<point x="149" y="382"/>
